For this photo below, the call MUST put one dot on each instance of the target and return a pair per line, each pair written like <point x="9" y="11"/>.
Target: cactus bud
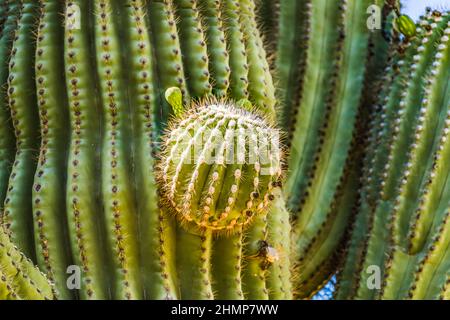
<point x="218" y="166"/>
<point x="406" y="26"/>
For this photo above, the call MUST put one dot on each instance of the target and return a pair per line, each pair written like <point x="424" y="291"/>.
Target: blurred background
<point x="415" y="8"/>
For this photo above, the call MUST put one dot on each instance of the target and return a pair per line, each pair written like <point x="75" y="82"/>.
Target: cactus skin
<point x="48" y="209"/>
<point x="406" y="172"/>
<point x="322" y="96"/>
<point x="85" y="226"/>
<point x="107" y="126"/>
<point x="19" y="277"/>
<point x="21" y="92"/>
<point x="134" y="66"/>
<point x="7" y="138"/>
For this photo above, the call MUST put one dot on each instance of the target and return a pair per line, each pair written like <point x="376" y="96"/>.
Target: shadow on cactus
<point x="233" y="149"/>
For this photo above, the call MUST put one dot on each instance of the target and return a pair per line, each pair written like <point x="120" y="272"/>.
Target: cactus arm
<point x="156" y="256"/>
<point x="48" y="209"/>
<point x="216" y="46"/>
<point x="279" y="275"/>
<point x="22" y="101"/>
<point x="260" y="86"/>
<point x="83" y="177"/>
<point x="25" y="280"/>
<point x="337" y="134"/>
<point x="365" y="222"/>
<point x="318" y="252"/>
<point x="193" y="48"/>
<point x="236" y="47"/>
<point x="412" y="178"/>
<point x="400" y="269"/>
<point x="7" y="139"/>
<point x="376" y="241"/>
<point x="432" y="264"/>
<point x="116" y="181"/>
<point x="436" y="111"/>
<point x="193" y="258"/>
<point x="291" y="52"/>
<point x="166" y="44"/>
<point x="254" y="273"/>
<point x="324" y="33"/>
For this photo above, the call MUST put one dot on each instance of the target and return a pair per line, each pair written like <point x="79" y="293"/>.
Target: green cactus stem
<point x="48" y="209"/>
<point x="406" y="171"/>
<point x="7" y="138"/>
<point x="84" y="223"/>
<point x="19" y="277"/>
<point x="21" y="93"/>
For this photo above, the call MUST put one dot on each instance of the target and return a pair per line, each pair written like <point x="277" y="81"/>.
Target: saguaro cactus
<point x="222" y="149"/>
<point x="404" y="202"/>
<point x="91" y="92"/>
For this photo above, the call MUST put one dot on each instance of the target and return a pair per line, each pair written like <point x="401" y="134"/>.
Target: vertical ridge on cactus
<point x="7" y="137"/>
<point x="21" y="93"/>
<point x="223" y="149"/>
<point x="82" y="190"/>
<point x="50" y="223"/>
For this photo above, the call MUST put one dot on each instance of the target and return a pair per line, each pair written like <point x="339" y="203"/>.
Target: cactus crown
<point x="219" y="165"/>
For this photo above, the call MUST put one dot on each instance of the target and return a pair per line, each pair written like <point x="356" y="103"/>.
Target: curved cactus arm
<point x="317" y="254"/>
<point x="155" y="232"/>
<point x="217" y="49"/>
<point x="118" y="200"/>
<point x="424" y="127"/>
<point x="318" y="167"/>
<point x="434" y="117"/>
<point x="170" y="68"/>
<point x="19" y="277"/>
<point x="323" y="54"/>
<point x="83" y="175"/>
<point x="193" y="47"/>
<point x="406" y="177"/>
<point x="377" y="156"/>
<point x="7" y="139"/>
<point x="396" y="285"/>
<point x="52" y="248"/>
<point x="24" y="114"/>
